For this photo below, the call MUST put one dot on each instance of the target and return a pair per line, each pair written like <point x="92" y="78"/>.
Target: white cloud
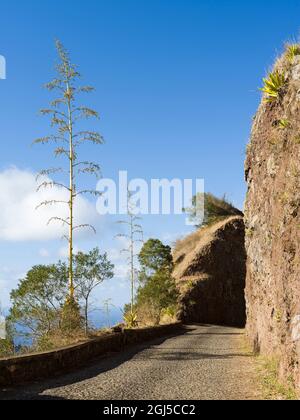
<point x="19" y="219"/>
<point x="5" y="289"/>
<point x="121" y="271"/>
<point x="123" y="242"/>
<point x="44" y="253"/>
<point x="114" y="254"/>
<point x="9" y="279"/>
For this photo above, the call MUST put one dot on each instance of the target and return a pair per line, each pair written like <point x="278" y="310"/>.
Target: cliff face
<point x="210" y="269"/>
<point x="272" y="218"/>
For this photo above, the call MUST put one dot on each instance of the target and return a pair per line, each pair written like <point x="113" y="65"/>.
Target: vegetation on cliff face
<point x="274" y="86"/>
<point x="272" y="218"/>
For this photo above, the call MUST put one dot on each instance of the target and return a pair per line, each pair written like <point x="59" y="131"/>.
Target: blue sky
<point x="176" y="86"/>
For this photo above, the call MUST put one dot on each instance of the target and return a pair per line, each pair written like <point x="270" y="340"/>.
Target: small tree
<point x="157" y="289"/>
<point x="215" y="209"/>
<point x="154" y="257"/>
<point x="133" y="237"/>
<point x="91" y="270"/>
<point x="66" y="115"/>
<point x="37" y="302"/>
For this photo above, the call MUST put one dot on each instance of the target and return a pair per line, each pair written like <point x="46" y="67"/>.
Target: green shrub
<point x="215" y="209"/>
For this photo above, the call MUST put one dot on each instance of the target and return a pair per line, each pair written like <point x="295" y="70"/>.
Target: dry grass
<point x="58" y="339"/>
<point x="186" y="245"/>
<point x="267" y="374"/>
<point x="187" y="249"/>
<point x="273" y="389"/>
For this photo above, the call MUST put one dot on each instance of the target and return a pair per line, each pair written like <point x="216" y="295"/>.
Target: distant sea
<point x="98" y="321"/>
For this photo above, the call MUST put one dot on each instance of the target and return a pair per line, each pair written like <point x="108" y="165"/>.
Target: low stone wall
<point x="18" y="370"/>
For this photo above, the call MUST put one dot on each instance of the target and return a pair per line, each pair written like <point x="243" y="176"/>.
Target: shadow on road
<point x="219" y="334"/>
<point x="178" y="355"/>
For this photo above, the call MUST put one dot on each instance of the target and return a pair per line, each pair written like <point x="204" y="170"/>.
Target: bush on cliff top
<point x="215" y="209"/>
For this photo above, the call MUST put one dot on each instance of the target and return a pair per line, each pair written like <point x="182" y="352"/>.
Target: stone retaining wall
<point x="18" y="370"/>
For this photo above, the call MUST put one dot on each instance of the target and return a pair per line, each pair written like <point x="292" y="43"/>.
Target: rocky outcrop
<point x="210" y="269"/>
<point x="272" y="218"/>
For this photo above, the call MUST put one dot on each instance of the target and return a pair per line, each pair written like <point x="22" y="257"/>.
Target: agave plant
<point x="273" y="85"/>
<point x="292" y="51"/>
<point x="131" y="320"/>
<point x="284" y="124"/>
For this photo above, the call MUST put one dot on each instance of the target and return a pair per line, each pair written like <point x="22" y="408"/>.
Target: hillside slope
<point x="210" y="268"/>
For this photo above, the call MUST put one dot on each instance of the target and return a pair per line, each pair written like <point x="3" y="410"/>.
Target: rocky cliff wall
<point x="272" y="219"/>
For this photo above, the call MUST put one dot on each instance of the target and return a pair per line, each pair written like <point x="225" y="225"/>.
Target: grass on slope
<point x="272" y="388"/>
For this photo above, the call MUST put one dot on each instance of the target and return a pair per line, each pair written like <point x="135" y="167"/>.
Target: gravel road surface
<point x="205" y="363"/>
